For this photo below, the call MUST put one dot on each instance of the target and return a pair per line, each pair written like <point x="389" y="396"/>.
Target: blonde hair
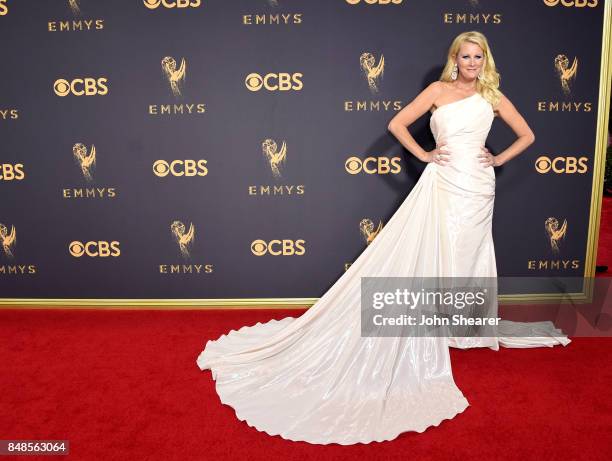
<point x="488" y="87"/>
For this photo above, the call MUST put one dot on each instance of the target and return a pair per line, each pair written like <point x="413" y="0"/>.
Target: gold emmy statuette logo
<point x="565" y="72"/>
<point x="78" y="24"/>
<point x="366" y="226"/>
<point x="8" y="240"/>
<point x="74" y="6"/>
<point x="372" y="72"/>
<point x="86" y="161"/>
<point x="273" y="3"/>
<point x="274" y="156"/>
<point x="184" y="239"/>
<point x="554" y="232"/>
<point x="176" y="78"/>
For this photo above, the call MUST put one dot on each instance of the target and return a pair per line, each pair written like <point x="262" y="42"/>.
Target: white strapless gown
<point x="315" y="378"/>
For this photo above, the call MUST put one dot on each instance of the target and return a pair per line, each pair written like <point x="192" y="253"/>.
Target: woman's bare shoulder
<point x="432" y="89"/>
<point x="441" y="92"/>
<point x="439" y="87"/>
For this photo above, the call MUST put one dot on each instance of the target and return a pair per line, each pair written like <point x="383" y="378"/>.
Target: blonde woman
<point x="316" y="378"/>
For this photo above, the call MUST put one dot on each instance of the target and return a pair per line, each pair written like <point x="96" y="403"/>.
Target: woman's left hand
<point x="487" y="158"/>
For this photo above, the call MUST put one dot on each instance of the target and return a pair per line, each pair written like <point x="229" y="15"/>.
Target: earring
<point x="454" y="72"/>
<point x="479" y="75"/>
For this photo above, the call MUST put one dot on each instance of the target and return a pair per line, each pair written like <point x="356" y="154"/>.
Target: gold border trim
<point x="601" y="143"/>
<point x="603" y="108"/>
<point x="243" y="303"/>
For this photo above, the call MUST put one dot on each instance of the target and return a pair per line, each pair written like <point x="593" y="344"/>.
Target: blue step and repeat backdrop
<point x="214" y="151"/>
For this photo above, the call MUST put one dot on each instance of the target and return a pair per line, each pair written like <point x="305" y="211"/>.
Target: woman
<point x="315" y="378"/>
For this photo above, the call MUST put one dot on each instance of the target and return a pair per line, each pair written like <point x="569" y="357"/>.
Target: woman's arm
<point x="515" y="120"/>
<point x="414" y="110"/>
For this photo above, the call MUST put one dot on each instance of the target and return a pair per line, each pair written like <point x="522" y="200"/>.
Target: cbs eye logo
<point x="10" y="172"/>
<point x="561" y="165"/>
<point x="3" y="7"/>
<point x="154" y="4"/>
<point x="373" y="165"/>
<point x="374" y="2"/>
<point x="187" y="168"/>
<point x="87" y="86"/>
<point x="570" y="3"/>
<point x="282" y="81"/>
<point x="285" y="247"/>
<point x="101" y="249"/>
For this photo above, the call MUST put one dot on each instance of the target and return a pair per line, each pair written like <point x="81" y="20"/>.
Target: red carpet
<point x="124" y="385"/>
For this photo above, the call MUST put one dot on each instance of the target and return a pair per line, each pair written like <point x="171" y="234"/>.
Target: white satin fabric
<point x="314" y="378"/>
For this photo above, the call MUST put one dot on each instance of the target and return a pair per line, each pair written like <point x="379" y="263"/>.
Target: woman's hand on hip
<point x="438" y="156"/>
<point x="487" y="158"/>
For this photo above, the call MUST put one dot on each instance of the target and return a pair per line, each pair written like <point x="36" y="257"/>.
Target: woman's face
<point x="470" y="60"/>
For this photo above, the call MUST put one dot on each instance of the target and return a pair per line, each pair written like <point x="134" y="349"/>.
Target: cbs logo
<point x="283" y="247"/>
<point x="87" y="86"/>
<point x="100" y="249"/>
<point x="154" y="4"/>
<point x="570" y="3"/>
<point x="3" y="7"/>
<point x="373" y="165"/>
<point x="188" y="168"/>
<point x="272" y="82"/>
<point x="374" y="2"/>
<point x="10" y="172"/>
<point x="567" y="165"/>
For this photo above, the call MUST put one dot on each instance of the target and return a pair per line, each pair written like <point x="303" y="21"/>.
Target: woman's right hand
<point x="438" y="156"/>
